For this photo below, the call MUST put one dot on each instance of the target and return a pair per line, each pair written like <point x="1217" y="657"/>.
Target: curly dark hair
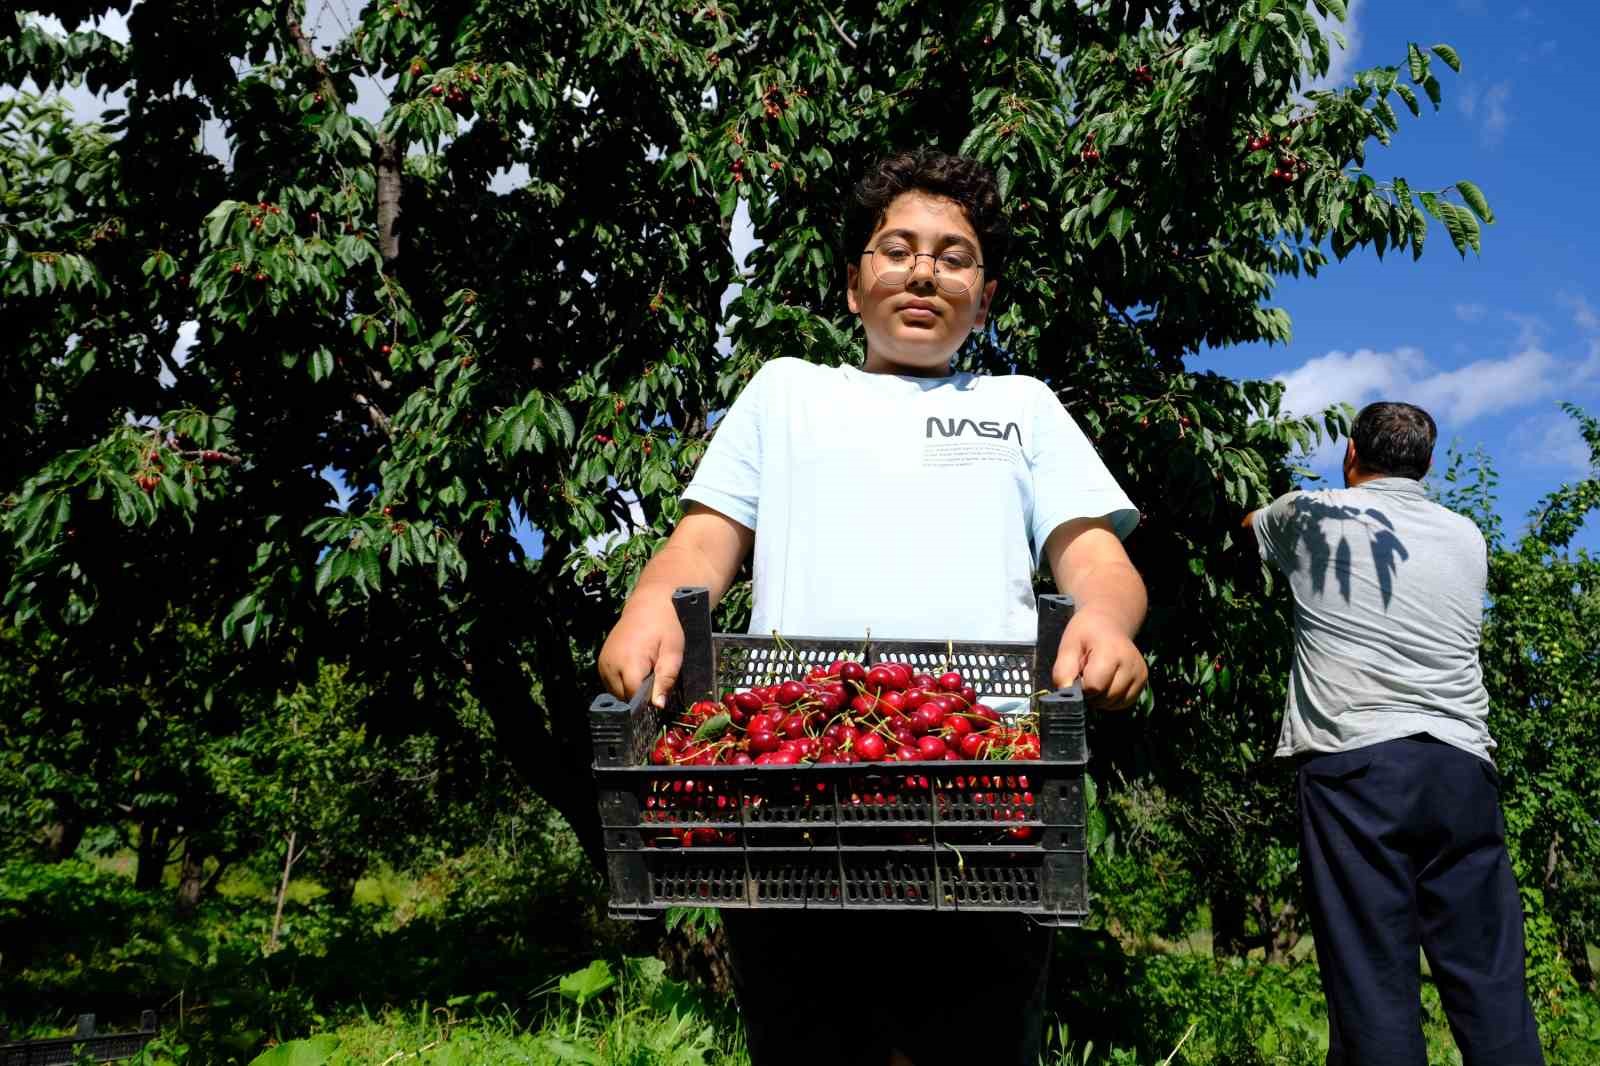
<point x="967" y="182"/>
<point x="1395" y="439"/>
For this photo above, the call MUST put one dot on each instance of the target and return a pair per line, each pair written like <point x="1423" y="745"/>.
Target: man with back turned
<point x="1402" y="843"/>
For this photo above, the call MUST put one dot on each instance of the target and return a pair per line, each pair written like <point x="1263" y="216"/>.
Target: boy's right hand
<point x="647" y="639"/>
<point x="704" y="551"/>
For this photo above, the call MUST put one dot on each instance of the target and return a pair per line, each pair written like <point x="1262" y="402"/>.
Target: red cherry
<point x="871" y="747"/>
<point x="879" y="678"/>
<point x="852" y="671"/>
<point x="790" y="691"/>
<point x="951" y="681"/>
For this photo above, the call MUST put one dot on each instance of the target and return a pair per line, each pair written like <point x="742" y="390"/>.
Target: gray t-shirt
<point x="1388" y="607"/>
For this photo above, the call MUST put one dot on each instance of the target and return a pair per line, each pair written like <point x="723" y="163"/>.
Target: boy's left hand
<point x="1096" y="650"/>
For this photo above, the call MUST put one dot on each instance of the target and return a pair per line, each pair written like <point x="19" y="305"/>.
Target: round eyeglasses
<point x="955" y="270"/>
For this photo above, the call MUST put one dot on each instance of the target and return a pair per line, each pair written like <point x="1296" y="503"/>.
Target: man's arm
<point x="706" y="549"/>
<point x="1090" y="565"/>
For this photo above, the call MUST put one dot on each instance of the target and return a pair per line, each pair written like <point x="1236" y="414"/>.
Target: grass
<point x="380" y="887"/>
<point x="1244" y="1012"/>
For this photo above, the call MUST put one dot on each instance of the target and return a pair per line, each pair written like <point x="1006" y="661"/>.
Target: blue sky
<point x="1490" y="345"/>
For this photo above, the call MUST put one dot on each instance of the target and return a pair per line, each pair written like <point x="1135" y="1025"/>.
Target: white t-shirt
<point x="916" y="507"/>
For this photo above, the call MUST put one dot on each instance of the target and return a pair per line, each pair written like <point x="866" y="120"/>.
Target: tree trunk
<point x="341" y="876"/>
<point x="289" y="857"/>
<point x="1227" y="925"/>
<point x="61" y="839"/>
<point x="1278" y="935"/>
<point x="191" y="879"/>
<point x="154" y="838"/>
<point x="547" y="743"/>
<point x="1575" y="948"/>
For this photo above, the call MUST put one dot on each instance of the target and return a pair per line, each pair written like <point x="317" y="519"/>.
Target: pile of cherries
<point x="845" y="713"/>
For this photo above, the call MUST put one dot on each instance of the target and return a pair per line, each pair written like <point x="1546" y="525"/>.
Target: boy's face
<point x="916" y="327"/>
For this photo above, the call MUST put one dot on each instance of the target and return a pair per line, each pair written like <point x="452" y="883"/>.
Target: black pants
<point x="1402" y="844"/>
<point x="843" y="988"/>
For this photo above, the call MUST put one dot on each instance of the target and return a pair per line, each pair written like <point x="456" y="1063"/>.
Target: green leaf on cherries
<point x="713" y="727"/>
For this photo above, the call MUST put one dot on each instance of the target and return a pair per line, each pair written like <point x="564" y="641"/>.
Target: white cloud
<point x="1454" y="397"/>
<point x="1489" y="386"/>
<point x="1582" y="314"/>
<point x="1589" y="369"/>
<point x="1530" y="329"/>
<point x="1496" y="117"/>
<point x="1471" y="312"/>
<point x="1343" y="60"/>
<point x="1552" y="441"/>
<point x="1485" y="387"/>
<point x="1488" y="109"/>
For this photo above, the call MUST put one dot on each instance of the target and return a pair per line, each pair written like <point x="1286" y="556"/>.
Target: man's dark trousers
<point x="1402" y="843"/>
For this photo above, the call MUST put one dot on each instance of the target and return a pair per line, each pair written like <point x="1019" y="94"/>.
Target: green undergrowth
<point x="493" y="958"/>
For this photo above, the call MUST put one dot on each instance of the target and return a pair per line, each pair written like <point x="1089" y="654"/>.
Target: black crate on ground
<point x="956" y="835"/>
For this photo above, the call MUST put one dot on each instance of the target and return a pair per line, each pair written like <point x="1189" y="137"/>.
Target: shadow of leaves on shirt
<point x="1313" y="528"/>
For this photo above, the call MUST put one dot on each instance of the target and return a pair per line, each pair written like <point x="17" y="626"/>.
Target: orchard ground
<point x="503" y="956"/>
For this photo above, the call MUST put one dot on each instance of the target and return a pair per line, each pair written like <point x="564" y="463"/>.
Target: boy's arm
<point x="1090" y="565"/>
<point x="706" y="549"/>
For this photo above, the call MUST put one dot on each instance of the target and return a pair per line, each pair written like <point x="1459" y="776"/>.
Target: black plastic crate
<point x="956" y="835"/>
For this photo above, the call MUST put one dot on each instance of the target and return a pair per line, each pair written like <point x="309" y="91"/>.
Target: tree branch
<point x="838" y="28"/>
<point x="375" y="415"/>
<point x="389" y="157"/>
<point x="302" y="44"/>
<point x="388" y="153"/>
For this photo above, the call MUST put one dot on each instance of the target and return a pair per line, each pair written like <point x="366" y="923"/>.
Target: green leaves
<point x="1458" y="221"/>
<point x="713" y="727"/>
<point x="1474" y="198"/>
<point x="583" y="986"/>
<point x="314" y="1051"/>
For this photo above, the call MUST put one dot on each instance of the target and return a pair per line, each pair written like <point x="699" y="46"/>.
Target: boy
<point x="913" y="501"/>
